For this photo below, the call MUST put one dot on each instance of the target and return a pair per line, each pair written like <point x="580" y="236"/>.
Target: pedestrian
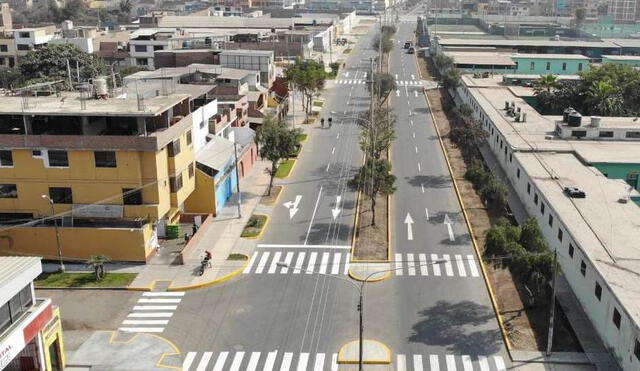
<point x="194" y="229"/>
<point x="322" y="122"/>
<point x="186" y="237"/>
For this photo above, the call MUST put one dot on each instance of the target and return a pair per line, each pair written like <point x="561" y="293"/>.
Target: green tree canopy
<point x="51" y="61"/>
<point x="308" y="76"/>
<point x="374" y="179"/>
<point x="277" y="142"/>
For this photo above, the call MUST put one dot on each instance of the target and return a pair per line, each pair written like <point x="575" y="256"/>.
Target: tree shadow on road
<point x="453" y="325"/>
<point x="430" y="181"/>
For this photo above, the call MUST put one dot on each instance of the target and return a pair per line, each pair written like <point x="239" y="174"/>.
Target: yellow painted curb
<point x="295" y="161"/>
<point x="386" y="361"/>
<point x="361" y="279"/>
<point x="264" y="227"/>
<point x="494" y="303"/>
<point x="162" y="356"/>
<point x="150" y="287"/>
<point x="224" y="278"/>
<point x="277" y="197"/>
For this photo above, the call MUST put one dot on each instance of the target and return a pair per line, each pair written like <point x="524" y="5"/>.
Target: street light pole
<point x="55" y="225"/>
<point x="235" y="152"/>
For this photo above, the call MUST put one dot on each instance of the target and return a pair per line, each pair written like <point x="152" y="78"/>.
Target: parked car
<point x="411" y="50"/>
<point x="574" y="192"/>
<point x="407" y="44"/>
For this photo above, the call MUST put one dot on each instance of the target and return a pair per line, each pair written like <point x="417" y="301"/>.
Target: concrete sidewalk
<point x="221" y="238"/>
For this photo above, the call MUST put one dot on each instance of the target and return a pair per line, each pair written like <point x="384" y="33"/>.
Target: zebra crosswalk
<point x="152" y="312"/>
<point x="338" y="263"/>
<point x="408" y="83"/>
<point x="351" y="82"/>
<point x="285" y="361"/>
<point x="362" y="82"/>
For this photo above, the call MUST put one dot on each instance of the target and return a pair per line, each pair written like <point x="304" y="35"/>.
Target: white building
<point x="596" y="237"/>
<point x="252" y="60"/>
<point x="145" y="42"/>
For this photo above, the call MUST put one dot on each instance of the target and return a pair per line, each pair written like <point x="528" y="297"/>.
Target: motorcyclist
<point x="322" y="122"/>
<point x="330" y="121"/>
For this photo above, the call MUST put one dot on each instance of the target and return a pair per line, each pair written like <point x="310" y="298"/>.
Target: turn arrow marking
<point x="409" y="222"/>
<point x="448" y="223"/>
<point x="336" y="210"/>
<point x="292" y="206"/>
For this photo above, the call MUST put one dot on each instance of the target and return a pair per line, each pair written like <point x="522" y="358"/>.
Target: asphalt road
<point x="432" y="316"/>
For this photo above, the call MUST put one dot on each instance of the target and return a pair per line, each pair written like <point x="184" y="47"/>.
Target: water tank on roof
<point x="575" y="119"/>
<point x="595" y="121"/>
<point x="100" y="85"/>
<point x="565" y="114"/>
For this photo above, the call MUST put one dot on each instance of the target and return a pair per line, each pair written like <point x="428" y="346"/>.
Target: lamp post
<point x="55" y="224"/>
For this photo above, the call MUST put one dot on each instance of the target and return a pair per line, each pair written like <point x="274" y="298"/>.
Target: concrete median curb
<point x="216" y="281"/>
<point x="384" y="276"/>
<point x="264" y="227"/>
<point x="374" y="353"/>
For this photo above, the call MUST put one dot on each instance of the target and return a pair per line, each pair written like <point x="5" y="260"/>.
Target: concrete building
<point x="519" y="64"/>
<point x="631" y="60"/>
<point x="145" y="42"/>
<point x="595" y="237"/>
<point x="27" y="39"/>
<point x="30" y="327"/>
<point x="622" y="11"/>
<point x="252" y="60"/>
<point x="114" y="171"/>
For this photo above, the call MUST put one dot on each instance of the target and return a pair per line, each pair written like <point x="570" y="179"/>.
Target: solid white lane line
<point x="416" y="93"/>
<point x="417" y="362"/>
<point x="435" y="363"/>
<point x="274" y="263"/>
<point x="422" y="186"/>
<point x="422" y="258"/>
<point x="141" y="329"/>
<point x="448" y="268"/>
<point x="311" y="262"/>
<point x="499" y="363"/>
<point x="324" y="263"/>
<point x="286" y="362"/>
<point x="338" y="136"/>
<point x="188" y="360"/>
<point x="436" y="266"/>
<point x="299" y="260"/>
<point x="451" y="362"/>
<point x="460" y="264"/>
<point x="426" y="213"/>
<point x="346" y="264"/>
<point x="170" y="293"/>
<point x="401" y="363"/>
<point x="145" y="321"/>
<point x="319" y="364"/>
<point x="150" y="315"/>
<point x="253" y="361"/>
<point x="419" y="169"/>
<point x="222" y="358"/>
<point x="411" y="122"/>
<point x="263" y="262"/>
<point x="251" y="262"/>
<point x="302" y="362"/>
<point x="271" y="360"/>
<point x="237" y="361"/>
<point x="410" y="264"/>
<point x="416" y="149"/>
<point x="484" y="363"/>
<point x="287" y="261"/>
<point x="413" y="134"/>
<point x="160" y="301"/>
<point x="472" y="266"/>
<point x="327" y="169"/>
<point x="467" y="365"/>
<point x="333" y="150"/>
<point x="155" y="307"/>
<point x="313" y="216"/>
<point x="335" y="268"/>
<point x="204" y="361"/>
<point x="398" y="267"/>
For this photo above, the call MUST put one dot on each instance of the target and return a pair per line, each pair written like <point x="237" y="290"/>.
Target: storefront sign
<point x="10" y="347"/>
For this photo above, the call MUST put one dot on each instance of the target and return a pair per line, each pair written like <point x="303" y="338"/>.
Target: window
<point x="4" y="48"/>
<point x="550" y="220"/>
<point x="142" y="62"/>
<point x="579" y="66"/>
<point x="191" y="170"/>
<point x="8" y="191"/>
<point x="158" y="47"/>
<point x="6" y="158"/>
<point x="26" y="299"/>
<point x="5" y="317"/>
<point x="616" y="318"/>
<point x="528" y="188"/>
<point x="532" y="66"/>
<point x="548" y="66"/>
<point x="61" y="195"/>
<point x="564" y="66"/>
<point x="636" y="348"/>
<point x="598" y="291"/>
<point x="535" y="198"/>
<point x="605" y="134"/>
<point x="510" y="157"/>
<point x="579" y="133"/>
<point x="518" y="173"/>
<point x="174" y="148"/>
<point x="571" y="250"/>
<point x="140" y="48"/>
<point x="131" y="196"/>
<point x="632" y="134"/>
<point x="583" y="268"/>
<point x="560" y="234"/>
<point x="175" y="183"/>
<point x="542" y="208"/>
<point x="22" y="47"/>
<point x="105" y="158"/>
<point x="58" y="159"/>
<point x="23" y="35"/>
<point x="189" y="139"/>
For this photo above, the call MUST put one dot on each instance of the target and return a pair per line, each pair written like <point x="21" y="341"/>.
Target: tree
<point x="545" y="83"/>
<point x="451" y="79"/>
<point x="51" y="61"/>
<point x="443" y="62"/>
<point x="374" y="179"/>
<point x="387" y="43"/>
<point x="97" y="262"/>
<point x="381" y="133"/>
<point x="307" y="76"/>
<point x="278" y="142"/>
<point x="605" y="99"/>
<point x="383" y="85"/>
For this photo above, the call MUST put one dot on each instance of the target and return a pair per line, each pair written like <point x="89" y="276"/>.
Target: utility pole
<point x="360" y="337"/>
<point x="69" y="74"/>
<point x="235" y="152"/>
<point x="553" y="303"/>
<point x="380" y="47"/>
<point x="55" y="226"/>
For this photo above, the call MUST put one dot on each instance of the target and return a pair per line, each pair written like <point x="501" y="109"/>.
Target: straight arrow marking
<point x="409" y="222"/>
<point x="426" y="213"/>
<point x="336" y="210"/>
<point x="292" y="206"/>
<point x="448" y="222"/>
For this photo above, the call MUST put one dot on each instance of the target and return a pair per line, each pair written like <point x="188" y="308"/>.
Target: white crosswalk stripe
<point x="351" y="81"/>
<point x="152" y="312"/>
<point x="290" y="361"/>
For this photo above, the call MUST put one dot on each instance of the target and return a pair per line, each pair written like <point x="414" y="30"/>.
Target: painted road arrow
<point x="448" y="223"/>
<point x="336" y="210"/>
<point x="409" y="222"/>
<point x="292" y="206"/>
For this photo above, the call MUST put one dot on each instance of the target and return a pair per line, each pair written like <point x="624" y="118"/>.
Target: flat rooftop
<point x="481" y="58"/>
<point x="622" y="57"/>
<point x="527" y="42"/>
<point x="606" y="229"/>
<point x="551" y="56"/>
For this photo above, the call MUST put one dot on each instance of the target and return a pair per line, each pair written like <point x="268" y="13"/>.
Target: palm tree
<point x="605" y="99"/>
<point x="96" y="262"/>
<point x="546" y="83"/>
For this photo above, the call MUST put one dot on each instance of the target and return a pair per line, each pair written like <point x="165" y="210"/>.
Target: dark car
<point x="411" y="50"/>
<point x="407" y="44"/>
<point x="574" y="192"/>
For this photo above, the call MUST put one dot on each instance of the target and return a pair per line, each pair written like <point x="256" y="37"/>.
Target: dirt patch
<point x="371" y="241"/>
<point x="526" y="326"/>
<point x="270" y="199"/>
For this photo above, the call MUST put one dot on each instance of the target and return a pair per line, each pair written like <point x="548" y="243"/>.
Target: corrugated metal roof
<point x="11" y="266"/>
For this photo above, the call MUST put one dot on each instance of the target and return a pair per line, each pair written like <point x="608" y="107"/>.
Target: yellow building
<point x="114" y="171"/>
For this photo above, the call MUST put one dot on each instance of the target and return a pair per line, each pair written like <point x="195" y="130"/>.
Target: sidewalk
<point x="594" y="350"/>
<point x="221" y="237"/>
